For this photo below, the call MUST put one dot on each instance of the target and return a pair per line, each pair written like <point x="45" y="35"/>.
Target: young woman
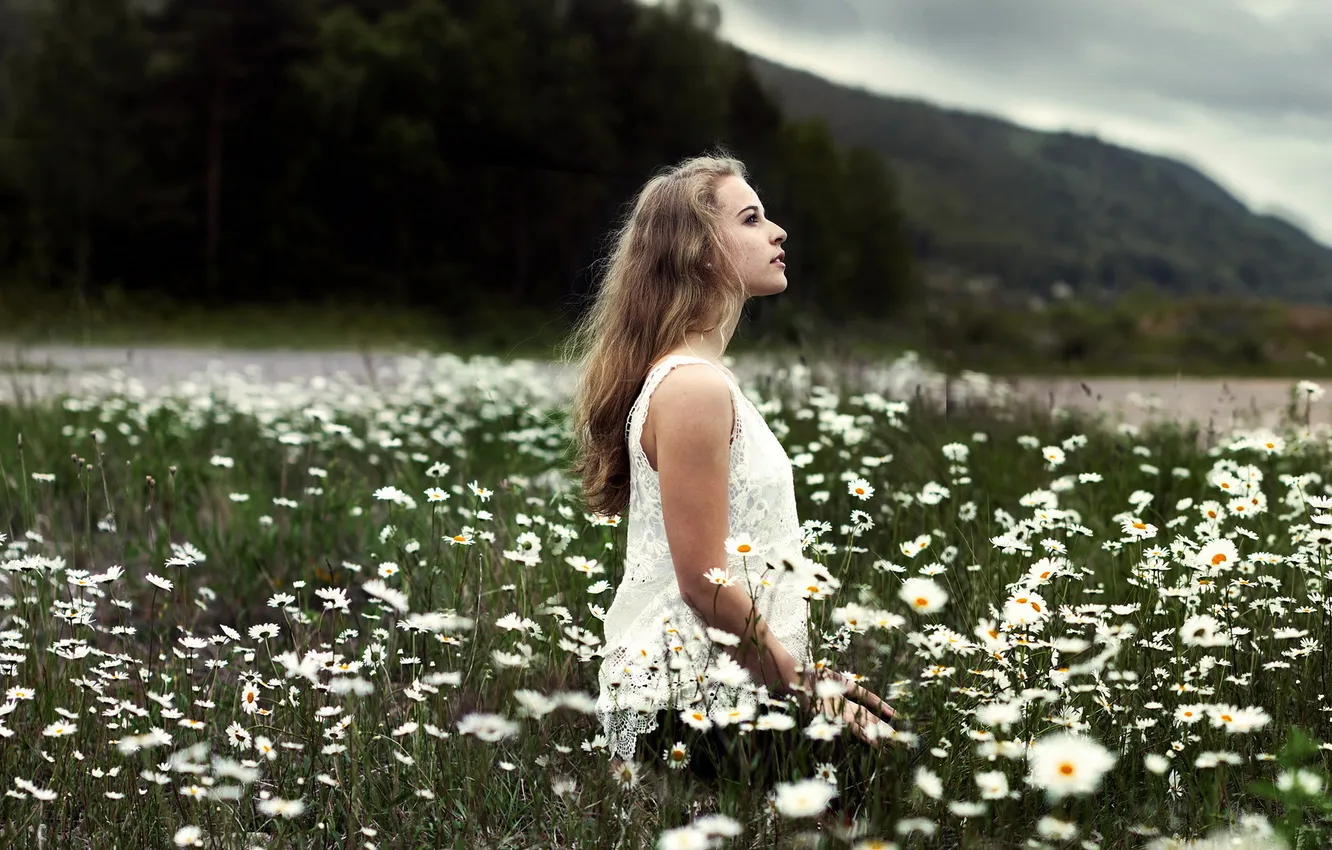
<point x="708" y="627"/>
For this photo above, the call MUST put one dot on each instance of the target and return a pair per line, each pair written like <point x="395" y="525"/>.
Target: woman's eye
<point x="752" y="217"/>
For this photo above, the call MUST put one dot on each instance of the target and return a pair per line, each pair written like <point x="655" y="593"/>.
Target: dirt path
<point x="1226" y="403"/>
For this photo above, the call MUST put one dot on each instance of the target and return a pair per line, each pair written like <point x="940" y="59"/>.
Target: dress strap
<point x="677" y="359"/>
<point x="663" y="367"/>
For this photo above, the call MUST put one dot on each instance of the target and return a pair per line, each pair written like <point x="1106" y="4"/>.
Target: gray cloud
<point x="1242" y="88"/>
<point x="1209" y="52"/>
<point x="823" y="17"/>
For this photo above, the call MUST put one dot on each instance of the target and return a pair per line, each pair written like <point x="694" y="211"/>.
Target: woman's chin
<point x="770" y="285"/>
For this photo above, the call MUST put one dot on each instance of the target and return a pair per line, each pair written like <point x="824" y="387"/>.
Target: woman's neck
<point x="710" y="346"/>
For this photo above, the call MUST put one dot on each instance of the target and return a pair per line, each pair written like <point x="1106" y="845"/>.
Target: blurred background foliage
<point x="462" y="157"/>
<point x="446" y="172"/>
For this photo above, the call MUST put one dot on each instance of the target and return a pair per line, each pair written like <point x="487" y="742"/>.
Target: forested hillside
<point x="468" y="158"/>
<point x="990" y="197"/>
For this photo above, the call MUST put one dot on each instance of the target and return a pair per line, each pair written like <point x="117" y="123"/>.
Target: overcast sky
<point x="1242" y="89"/>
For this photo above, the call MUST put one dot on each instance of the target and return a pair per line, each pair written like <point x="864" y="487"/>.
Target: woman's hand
<point x="859" y="707"/>
<point x="861" y="722"/>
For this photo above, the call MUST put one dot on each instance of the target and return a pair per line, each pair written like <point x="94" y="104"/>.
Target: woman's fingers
<point x="856" y="693"/>
<point x="860" y="720"/>
<point x="857" y="718"/>
<point x="872" y="701"/>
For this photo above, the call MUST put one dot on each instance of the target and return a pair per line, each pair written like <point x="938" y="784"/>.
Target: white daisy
<point x="803" y="799"/>
<point x="924" y="595"/>
<point x="1065" y="763"/>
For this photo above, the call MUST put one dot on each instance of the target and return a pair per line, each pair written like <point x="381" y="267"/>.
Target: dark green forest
<point x="465" y="157"/>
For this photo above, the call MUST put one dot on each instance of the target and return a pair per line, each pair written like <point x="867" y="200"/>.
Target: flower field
<point x="323" y="614"/>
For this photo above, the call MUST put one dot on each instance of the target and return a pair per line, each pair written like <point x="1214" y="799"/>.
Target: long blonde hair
<point x="670" y="273"/>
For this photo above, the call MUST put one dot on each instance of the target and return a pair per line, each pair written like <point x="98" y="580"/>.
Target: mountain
<point x="984" y="196"/>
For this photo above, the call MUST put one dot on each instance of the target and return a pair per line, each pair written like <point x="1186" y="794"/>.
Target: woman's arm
<point x="693" y="412"/>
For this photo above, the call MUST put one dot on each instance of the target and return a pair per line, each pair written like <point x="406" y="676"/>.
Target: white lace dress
<point x="656" y="653"/>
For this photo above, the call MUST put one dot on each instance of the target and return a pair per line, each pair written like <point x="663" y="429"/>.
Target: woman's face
<point x="756" y="240"/>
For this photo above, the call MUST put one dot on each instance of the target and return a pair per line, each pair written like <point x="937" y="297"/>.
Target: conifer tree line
<point x="460" y="156"/>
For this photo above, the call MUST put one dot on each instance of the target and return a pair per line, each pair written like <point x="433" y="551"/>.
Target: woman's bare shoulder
<point x="693" y="384"/>
<point x="693" y="403"/>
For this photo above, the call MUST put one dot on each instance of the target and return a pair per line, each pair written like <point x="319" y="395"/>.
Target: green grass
<point x="133" y="483"/>
<point x="302" y="327"/>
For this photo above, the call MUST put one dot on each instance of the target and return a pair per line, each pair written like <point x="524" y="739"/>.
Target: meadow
<point x="323" y="614"/>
